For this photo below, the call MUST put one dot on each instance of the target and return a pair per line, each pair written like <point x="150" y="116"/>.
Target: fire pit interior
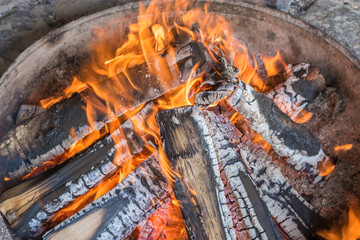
<point x="181" y="120"/>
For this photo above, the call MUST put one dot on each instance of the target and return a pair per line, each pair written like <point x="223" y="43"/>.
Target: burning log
<point x="48" y="135"/>
<point x="287" y="137"/>
<point x="293" y="213"/>
<point x="301" y="87"/>
<point x="201" y="156"/>
<point x="40" y="139"/>
<point x="119" y="211"/>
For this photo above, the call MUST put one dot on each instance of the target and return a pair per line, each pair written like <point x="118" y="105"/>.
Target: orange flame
<point x="326" y="167"/>
<point x="349" y="231"/>
<point x="303" y="116"/>
<point x="76" y="86"/>
<point x="166" y="223"/>
<point x="345" y="147"/>
<point x="259" y="140"/>
<point x="272" y="64"/>
<point x="6" y="179"/>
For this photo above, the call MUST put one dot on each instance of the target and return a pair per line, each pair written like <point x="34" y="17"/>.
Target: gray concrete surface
<point x="24" y="21"/>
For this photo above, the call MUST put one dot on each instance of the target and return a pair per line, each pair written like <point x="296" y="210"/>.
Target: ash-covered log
<point x="301" y="87"/>
<point x="286" y="137"/>
<point x="202" y="155"/>
<point x="118" y="212"/>
<point x="293" y="213"/>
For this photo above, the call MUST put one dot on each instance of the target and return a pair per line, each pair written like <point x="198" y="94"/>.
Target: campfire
<point x="174" y="129"/>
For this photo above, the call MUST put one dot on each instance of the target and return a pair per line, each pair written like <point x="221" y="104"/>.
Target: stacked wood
<point x="200" y="155"/>
<point x="119" y="211"/>
<point x="45" y="137"/>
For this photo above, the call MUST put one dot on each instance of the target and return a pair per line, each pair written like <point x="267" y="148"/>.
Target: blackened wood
<point x="40" y="139"/>
<point x="287" y="137"/>
<point x="119" y="211"/>
<point x="291" y="211"/>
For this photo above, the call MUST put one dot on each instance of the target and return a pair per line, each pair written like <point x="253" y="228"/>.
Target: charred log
<point x="119" y="211"/>
<point x="301" y="87"/>
<point x="287" y="137"/>
<point x="184" y="144"/>
<point x="200" y="154"/>
<point x="291" y="211"/>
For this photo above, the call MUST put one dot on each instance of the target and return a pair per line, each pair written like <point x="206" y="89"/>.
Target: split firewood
<point x="291" y="211"/>
<point x="201" y="156"/>
<point x="48" y="135"/>
<point x="119" y="211"/>
<point x="301" y="87"/>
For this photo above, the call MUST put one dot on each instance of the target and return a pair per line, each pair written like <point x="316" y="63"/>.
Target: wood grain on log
<point x="119" y="211"/>
<point x="200" y="154"/>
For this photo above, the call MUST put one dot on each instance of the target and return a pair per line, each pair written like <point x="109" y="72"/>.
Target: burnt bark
<point x="287" y="137"/>
<point x="264" y="116"/>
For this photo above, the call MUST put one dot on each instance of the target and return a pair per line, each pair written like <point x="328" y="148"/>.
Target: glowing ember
<point x="166" y="223"/>
<point x="326" y="167"/>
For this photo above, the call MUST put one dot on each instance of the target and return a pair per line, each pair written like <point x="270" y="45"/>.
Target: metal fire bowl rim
<point x="17" y="95"/>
